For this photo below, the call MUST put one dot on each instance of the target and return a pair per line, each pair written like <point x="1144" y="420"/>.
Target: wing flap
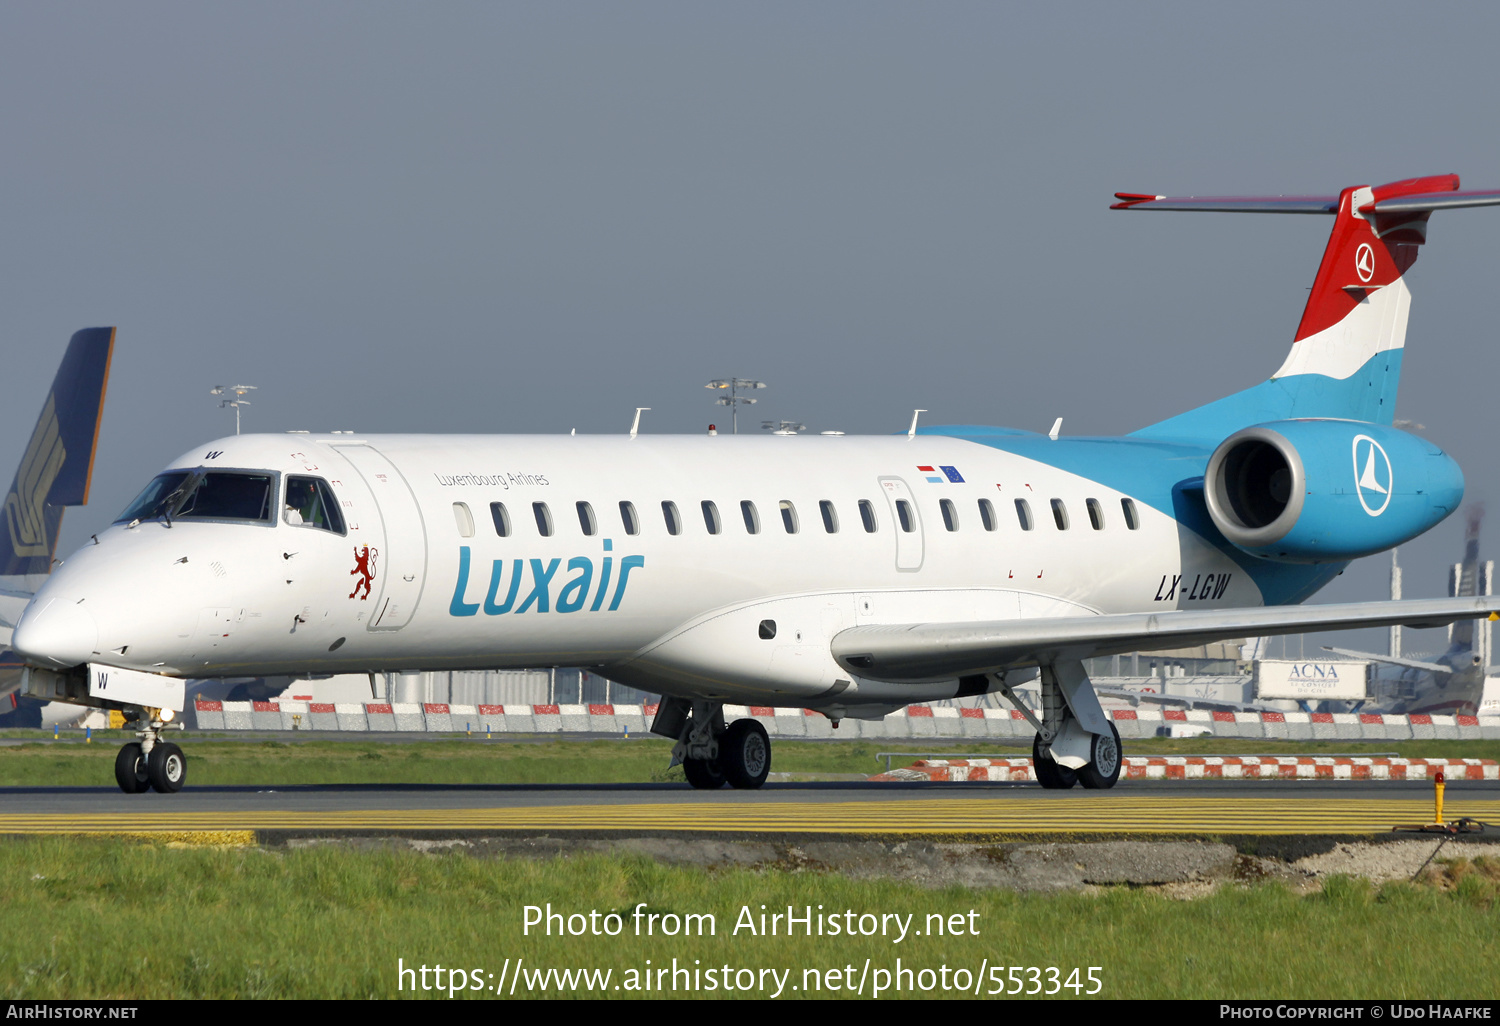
<point x="940" y="651"/>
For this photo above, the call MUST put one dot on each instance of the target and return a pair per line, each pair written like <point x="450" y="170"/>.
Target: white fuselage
<point x="675" y="613"/>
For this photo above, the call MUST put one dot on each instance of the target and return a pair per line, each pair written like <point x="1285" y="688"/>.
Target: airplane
<point x="55" y="470"/>
<point x="843" y="574"/>
<point x="1453" y="682"/>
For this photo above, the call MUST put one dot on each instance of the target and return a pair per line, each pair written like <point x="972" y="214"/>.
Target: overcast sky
<point x="535" y="217"/>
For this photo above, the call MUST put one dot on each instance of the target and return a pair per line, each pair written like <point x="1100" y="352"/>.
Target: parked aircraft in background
<point x="54" y="472"/>
<point x="1453" y="682"/>
<point x="849" y="575"/>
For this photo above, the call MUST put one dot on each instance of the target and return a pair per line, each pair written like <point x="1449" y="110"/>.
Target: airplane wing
<point x="941" y="651"/>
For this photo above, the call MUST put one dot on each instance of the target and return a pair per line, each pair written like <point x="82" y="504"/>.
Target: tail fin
<point x="59" y="460"/>
<point x="1346" y="357"/>
<point x="1465" y="579"/>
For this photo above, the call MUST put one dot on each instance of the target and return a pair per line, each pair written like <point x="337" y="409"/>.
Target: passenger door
<point x="400" y="567"/>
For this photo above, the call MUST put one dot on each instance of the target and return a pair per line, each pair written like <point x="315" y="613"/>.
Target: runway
<point x="807" y="810"/>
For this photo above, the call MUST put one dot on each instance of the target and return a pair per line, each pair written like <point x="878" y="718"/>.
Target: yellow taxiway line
<point x="934" y="817"/>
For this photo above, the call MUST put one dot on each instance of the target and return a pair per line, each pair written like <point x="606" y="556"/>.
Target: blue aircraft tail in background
<point x="59" y="460"/>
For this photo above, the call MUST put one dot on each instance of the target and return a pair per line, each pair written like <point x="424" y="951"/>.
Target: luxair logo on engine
<point x="1373" y="479"/>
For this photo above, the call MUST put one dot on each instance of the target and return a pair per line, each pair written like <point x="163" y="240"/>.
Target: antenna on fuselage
<point x="635" y="425"/>
<point x="238" y="400"/>
<point x="911" y="432"/>
<point x="1056" y="429"/>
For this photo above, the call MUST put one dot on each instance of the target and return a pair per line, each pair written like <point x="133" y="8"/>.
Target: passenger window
<point x="628" y="519"/>
<point x="310" y="502"/>
<point x="950" y="514"/>
<point x="464" y="518"/>
<point x="789" y="516"/>
<point x="905" y="514"/>
<point x="501" y="519"/>
<point x="1060" y="514"/>
<point x="669" y="514"/>
<point x="1127" y="506"/>
<point x="1096" y="514"/>
<point x="711" y="516"/>
<point x="752" y="519"/>
<point x="586" y="519"/>
<point x="987" y="514"/>
<point x="543" y="519"/>
<point x="830" y="517"/>
<point x="867" y="515"/>
<point x="1023" y="514"/>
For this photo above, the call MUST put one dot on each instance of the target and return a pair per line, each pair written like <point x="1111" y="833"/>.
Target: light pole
<point x="238" y="400"/>
<point x="734" y="400"/>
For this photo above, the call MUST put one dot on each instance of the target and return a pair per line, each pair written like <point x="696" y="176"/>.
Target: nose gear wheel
<point x="130" y="769"/>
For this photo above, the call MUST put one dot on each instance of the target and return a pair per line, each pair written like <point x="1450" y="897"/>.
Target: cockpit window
<point x="215" y="495"/>
<point x="153" y="499"/>
<point x="310" y="503"/>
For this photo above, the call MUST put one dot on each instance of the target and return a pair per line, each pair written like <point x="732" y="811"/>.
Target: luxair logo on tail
<point x="587" y="583"/>
<point x="25" y="506"/>
<point x="1372" y="475"/>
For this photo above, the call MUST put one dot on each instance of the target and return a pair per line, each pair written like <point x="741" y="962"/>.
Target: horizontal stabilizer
<point x="1431" y="201"/>
<point x="1229" y="204"/>
<point x="1304" y="204"/>
<point x="941" y="651"/>
<point x="1412" y="195"/>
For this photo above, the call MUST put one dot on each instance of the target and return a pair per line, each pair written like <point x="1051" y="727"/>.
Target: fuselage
<point x="718" y="566"/>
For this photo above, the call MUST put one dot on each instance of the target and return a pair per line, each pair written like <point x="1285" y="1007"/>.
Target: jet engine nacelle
<point x="1316" y="491"/>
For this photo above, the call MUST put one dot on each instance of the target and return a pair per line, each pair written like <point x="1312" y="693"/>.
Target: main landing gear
<point x="711" y="753"/>
<point x="1075" y="742"/>
<point x="151" y="764"/>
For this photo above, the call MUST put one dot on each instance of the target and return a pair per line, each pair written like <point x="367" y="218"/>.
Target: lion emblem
<point x="364" y="565"/>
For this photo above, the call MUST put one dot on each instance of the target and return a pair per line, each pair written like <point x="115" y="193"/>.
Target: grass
<point x="222" y="760"/>
<point x="92" y="918"/>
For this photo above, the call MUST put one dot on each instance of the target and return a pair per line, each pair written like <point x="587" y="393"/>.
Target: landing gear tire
<point x="130" y="769"/>
<point x="745" y="754"/>
<point x="166" y="767"/>
<point x="704" y="774"/>
<point x="1049" y="774"/>
<point x="1104" y="761"/>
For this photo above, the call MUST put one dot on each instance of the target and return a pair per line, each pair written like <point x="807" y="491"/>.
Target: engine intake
<point x="1315" y="491"/>
<point x="1255" y="487"/>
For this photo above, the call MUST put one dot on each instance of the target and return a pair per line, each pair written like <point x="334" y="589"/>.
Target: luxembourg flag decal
<point x="950" y="474"/>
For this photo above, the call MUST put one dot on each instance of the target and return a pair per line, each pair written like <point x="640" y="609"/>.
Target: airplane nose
<point x="61" y="634"/>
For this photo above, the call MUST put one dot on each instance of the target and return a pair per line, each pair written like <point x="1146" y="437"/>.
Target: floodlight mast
<point x="734" y="400"/>
<point x="238" y="400"/>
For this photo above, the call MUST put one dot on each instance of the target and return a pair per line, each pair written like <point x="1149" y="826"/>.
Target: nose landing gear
<point x="151" y="763"/>
<point x="130" y="769"/>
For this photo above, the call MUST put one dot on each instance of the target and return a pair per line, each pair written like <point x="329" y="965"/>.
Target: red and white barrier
<point x="1191" y="767"/>
<point x="915" y="721"/>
